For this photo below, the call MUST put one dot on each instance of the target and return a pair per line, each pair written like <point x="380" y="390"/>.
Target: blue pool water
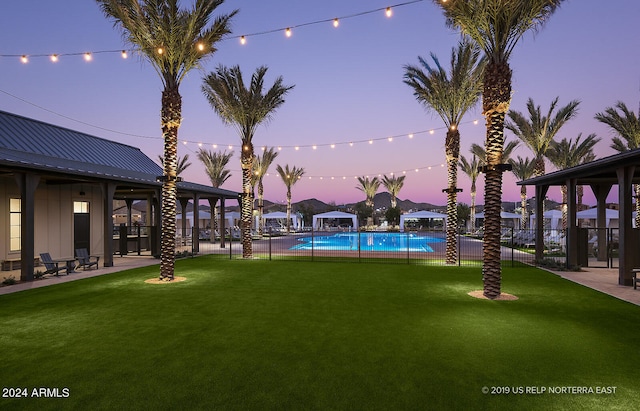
<point x="369" y="242"/>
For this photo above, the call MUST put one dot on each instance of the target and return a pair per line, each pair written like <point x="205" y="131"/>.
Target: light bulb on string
<point x="336" y="22"/>
<point x="388" y="12"/>
<point x="88" y="57"/>
<point x="124" y="54"/>
<point x="24" y="59"/>
<point x="54" y="58"/>
<point x="287" y="32"/>
<point x="243" y="40"/>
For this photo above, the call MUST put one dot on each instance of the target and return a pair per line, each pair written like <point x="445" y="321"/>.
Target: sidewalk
<point x="119" y="264"/>
<point x="604" y="280"/>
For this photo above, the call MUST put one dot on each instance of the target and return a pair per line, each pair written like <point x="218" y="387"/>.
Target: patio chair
<point x="52" y="267"/>
<point x="85" y="260"/>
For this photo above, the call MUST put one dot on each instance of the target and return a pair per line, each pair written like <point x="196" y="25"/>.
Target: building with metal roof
<point x="58" y="187"/>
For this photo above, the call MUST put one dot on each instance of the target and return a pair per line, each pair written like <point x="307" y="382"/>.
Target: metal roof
<point x="603" y="170"/>
<point x="30" y="144"/>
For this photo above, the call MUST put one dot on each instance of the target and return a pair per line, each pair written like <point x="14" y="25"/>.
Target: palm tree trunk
<point x="288" y="209"/>
<point x="171" y="116"/>
<point x="563" y="190"/>
<point x="260" y="207"/>
<point x="246" y="203"/>
<point x="636" y="188"/>
<point x="523" y="207"/>
<point x="452" y="149"/>
<point x="495" y="99"/>
<point x="214" y="220"/>
<point x="473" y="206"/>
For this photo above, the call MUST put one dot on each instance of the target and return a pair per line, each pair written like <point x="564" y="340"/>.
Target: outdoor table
<point x="70" y="262"/>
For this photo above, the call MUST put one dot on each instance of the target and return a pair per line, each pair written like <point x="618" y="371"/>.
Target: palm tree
<point x="183" y="163"/>
<point x="245" y="108"/>
<point x="472" y="169"/>
<point x="215" y="165"/>
<point x="626" y="125"/>
<point x="261" y="168"/>
<point x="523" y="168"/>
<point x="479" y="152"/>
<point x="289" y="176"/>
<point x="538" y="131"/>
<point x="369" y="188"/>
<point x="496" y="26"/>
<point x="568" y="153"/>
<point x="393" y="185"/>
<point x="450" y="95"/>
<point x="173" y="41"/>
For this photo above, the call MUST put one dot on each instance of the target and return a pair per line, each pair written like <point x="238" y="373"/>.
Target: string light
<point x="24" y="59"/>
<point x="54" y="57"/>
<point x="242" y="38"/>
<point x="88" y="57"/>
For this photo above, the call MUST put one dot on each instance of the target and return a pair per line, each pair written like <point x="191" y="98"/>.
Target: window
<point x="15" y="224"/>
<point x="80" y="207"/>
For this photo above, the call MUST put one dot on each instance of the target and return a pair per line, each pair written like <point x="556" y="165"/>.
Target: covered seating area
<point x="620" y="170"/>
<point x="421" y="215"/>
<point x="334" y="219"/>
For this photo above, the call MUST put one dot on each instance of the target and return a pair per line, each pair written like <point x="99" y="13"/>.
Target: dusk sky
<point x="348" y="86"/>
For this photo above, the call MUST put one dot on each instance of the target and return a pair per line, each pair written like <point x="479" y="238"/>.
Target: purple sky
<point x="348" y="86"/>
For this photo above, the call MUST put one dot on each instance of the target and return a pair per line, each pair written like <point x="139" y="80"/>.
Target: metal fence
<point x="597" y="247"/>
<point x="415" y="247"/>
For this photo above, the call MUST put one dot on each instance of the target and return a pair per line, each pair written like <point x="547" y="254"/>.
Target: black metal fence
<point x="597" y="247"/>
<point x="415" y="247"/>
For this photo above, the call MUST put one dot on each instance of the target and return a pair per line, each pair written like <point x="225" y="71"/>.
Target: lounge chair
<point x="52" y="267"/>
<point x="85" y="260"/>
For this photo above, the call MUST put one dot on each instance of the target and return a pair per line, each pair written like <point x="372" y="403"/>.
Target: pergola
<point x="600" y="175"/>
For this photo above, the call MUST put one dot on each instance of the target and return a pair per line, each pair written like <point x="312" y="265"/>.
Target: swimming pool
<point x="369" y="242"/>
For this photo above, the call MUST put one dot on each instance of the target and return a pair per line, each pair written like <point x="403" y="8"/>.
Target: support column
<point x="541" y="192"/>
<point x="627" y="252"/>
<point x="196" y="223"/>
<point x="27" y="184"/>
<point x="572" y="227"/>
<point x="108" y="191"/>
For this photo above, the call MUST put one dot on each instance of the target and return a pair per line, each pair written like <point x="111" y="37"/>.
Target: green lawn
<point x="296" y="335"/>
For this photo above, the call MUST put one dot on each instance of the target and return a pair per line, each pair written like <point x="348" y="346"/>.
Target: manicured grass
<point x="296" y="335"/>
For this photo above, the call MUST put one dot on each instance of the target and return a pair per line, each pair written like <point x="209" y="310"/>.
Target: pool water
<point x="369" y="242"/>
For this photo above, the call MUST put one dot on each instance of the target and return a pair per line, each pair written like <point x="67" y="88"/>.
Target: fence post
<point x="407" y="248"/>
<point x="359" y="245"/>
<point x="270" y="237"/>
<point x="459" y="248"/>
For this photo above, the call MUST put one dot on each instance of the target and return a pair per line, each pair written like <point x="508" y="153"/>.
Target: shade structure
<point x="513" y="218"/>
<point x="554" y="217"/>
<point x="420" y="215"/>
<point x="319" y="219"/>
<point x="611" y="217"/>
<point x="279" y="215"/>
